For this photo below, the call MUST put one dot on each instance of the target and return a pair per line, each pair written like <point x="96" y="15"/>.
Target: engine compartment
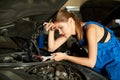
<point x="55" y="71"/>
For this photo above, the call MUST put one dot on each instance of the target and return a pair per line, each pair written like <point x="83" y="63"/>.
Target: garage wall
<point x="74" y="3"/>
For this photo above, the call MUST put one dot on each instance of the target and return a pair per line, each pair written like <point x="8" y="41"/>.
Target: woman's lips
<point x="64" y="35"/>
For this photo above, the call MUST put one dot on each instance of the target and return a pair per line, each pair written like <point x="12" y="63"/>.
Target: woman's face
<point x="64" y="28"/>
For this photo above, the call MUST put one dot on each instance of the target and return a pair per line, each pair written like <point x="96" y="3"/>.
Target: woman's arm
<point x="90" y="61"/>
<point x="92" y="50"/>
<point x="52" y="43"/>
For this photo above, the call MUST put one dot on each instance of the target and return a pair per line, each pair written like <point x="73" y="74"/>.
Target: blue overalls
<point x="108" y="56"/>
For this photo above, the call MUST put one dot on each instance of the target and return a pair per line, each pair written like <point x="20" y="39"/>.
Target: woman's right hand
<point x="58" y="56"/>
<point x="49" y="26"/>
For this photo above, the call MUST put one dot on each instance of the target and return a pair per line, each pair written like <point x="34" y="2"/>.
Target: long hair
<point x="64" y="15"/>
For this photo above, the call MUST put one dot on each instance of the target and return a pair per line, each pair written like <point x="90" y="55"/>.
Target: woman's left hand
<point x="58" y="56"/>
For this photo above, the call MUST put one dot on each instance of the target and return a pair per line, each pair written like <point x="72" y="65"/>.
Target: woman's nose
<point x="60" y="32"/>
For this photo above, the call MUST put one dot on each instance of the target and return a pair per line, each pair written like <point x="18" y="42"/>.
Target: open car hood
<point x="12" y="10"/>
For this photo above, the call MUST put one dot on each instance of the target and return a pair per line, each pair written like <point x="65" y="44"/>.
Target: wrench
<point x="43" y="58"/>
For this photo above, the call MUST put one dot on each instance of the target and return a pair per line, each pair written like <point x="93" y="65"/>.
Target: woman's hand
<point x="49" y="26"/>
<point x="58" y="56"/>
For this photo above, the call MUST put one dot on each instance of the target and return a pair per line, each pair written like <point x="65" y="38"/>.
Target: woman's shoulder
<point x="88" y="23"/>
<point x="98" y="24"/>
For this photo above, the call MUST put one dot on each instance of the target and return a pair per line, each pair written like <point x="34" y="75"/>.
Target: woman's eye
<point x="61" y="27"/>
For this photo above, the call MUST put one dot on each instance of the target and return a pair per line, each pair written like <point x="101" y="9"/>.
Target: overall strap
<point x="104" y="36"/>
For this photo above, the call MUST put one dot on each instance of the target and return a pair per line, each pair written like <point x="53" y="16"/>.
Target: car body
<point x="21" y="23"/>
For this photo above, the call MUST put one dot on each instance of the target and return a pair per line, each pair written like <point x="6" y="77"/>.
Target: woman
<point x="103" y="46"/>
